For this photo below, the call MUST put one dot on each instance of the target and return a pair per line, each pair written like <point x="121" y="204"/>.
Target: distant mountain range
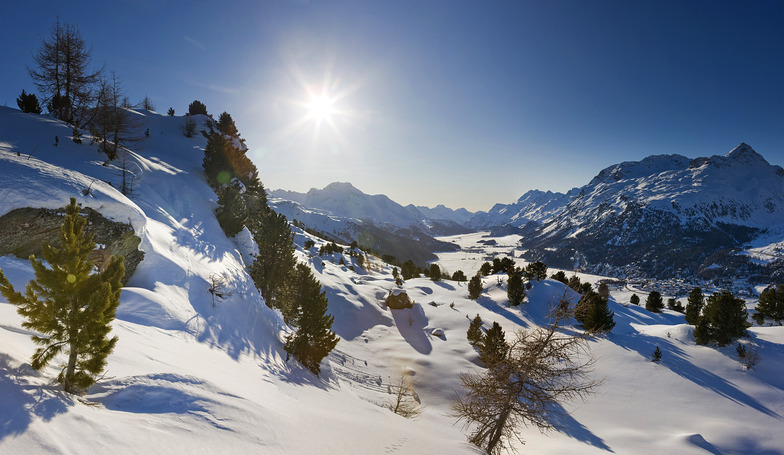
<point x="663" y="216"/>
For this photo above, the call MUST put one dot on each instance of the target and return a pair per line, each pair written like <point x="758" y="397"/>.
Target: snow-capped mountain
<point x="666" y="214"/>
<point x="535" y="205"/>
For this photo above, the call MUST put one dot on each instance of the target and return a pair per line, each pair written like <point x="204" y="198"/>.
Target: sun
<point x="321" y="107"/>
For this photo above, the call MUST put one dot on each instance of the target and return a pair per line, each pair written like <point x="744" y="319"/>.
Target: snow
<point x="186" y="377"/>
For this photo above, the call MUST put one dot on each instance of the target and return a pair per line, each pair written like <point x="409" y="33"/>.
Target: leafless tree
<point x="218" y="287"/>
<point x="544" y="366"/>
<point x="404" y="401"/>
<point x="62" y="76"/>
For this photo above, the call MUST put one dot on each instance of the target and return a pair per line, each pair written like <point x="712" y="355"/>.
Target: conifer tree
<point x="475" y="287"/>
<point x="694" y="305"/>
<point x="474" y="333"/>
<point x="170" y="112"/>
<point x="536" y="271"/>
<point x="314" y="338"/>
<point x="654" y="303"/>
<point x="604" y="291"/>
<point x="493" y="346"/>
<point x="486" y="269"/>
<point x="725" y="316"/>
<point x="597" y="316"/>
<point x="197" y="107"/>
<point x="69" y="305"/>
<point x="61" y="74"/>
<point x="560" y="276"/>
<point x="459" y="276"/>
<point x="515" y="289"/>
<point x="657" y="355"/>
<point x="28" y="103"/>
<point x="634" y="299"/>
<point x="771" y="304"/>
<point x="232" y="213"/>
<point x="435" y="272"/>
<point x="275" y="260"/>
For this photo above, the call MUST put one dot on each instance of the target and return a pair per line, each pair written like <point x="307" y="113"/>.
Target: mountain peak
<point x="743" y="152"/>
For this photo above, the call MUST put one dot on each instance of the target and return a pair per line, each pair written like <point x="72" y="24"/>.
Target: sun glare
<point x="321" y="107"/>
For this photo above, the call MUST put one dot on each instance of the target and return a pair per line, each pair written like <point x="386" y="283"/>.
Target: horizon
<point x="444" y="102"/>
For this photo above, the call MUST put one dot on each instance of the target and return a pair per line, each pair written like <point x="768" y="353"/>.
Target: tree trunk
<point x="495" y="436"/>
<point x="70" y="369"/>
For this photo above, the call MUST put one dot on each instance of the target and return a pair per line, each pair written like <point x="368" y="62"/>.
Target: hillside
<point x="189" y="377"/>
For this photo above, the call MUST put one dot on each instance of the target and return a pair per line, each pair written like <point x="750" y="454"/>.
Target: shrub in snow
<point x="634" y="299"/>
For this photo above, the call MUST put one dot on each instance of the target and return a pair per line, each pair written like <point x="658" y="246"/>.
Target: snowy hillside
<point x="187" y="377"/>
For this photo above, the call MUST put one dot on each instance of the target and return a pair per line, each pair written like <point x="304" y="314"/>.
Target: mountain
<point x="347" y="214"/>
<point x="537" y="206"/>
<point x="667" y="215"/>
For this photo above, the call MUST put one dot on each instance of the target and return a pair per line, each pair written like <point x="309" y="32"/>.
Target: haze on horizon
<point x="458" y="103"/>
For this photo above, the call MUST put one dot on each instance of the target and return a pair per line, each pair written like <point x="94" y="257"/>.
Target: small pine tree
<point x="70" y="305"/>
<point x="515" y="289"/>
<point x="634" y="299"/>
<point x="654" y="302"/>
<point x="314" y="338"/>
<point x="493" y="347"/>
<point x="435" y="272"/>
<point x="475" y="287"/>
<point x="28" y="103"/>
<point x="226" y="125"/>
<point x="474" y="333"/>
<point x="657" y="355"/>
<point x="197" y="107"/>
<point x="694" y="305"/>
<point x="459" y="276"/>
<point x="170" y="112"/>
<point x="486" y="269"/>
<point x="560" y="276"/>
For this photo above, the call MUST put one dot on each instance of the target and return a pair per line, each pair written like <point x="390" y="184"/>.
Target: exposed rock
<point x="22" y="232"/>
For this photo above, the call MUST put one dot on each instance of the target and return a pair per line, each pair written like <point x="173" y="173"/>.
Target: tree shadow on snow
<point x="568" y="425"/>
<point x="490" y="305"/>
<point x="674" y="358"/>
<point x="22" y="400"/>
<point x="411" y="323"/>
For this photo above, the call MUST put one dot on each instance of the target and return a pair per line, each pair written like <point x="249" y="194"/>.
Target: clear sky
<point x="465" y="103"/>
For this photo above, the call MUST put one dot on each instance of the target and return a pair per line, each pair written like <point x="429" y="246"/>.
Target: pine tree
<point x="726" y="317"/>
<point x="515" y="289"/>
<point x="657" y="355"/>
<point x="232" y="214"/>
<point x="694" y="305"/>
<point x="474" y="333"/>
<point x="475" y="287"/>
<point x="69" y="305"/>
<point x="314" y="338"/>
<point x="197" y="107"/>
<point x="598" y="317"/>
<point x="275" y="260"/>
<point x="486" y="269"/>
<point x="654" y="302"/>
<point x="634" y="299"/>
<point x="560" y="276"/>
<point x="771" y="303"/>
<point x="28" y="103"/>
<point x="226" y="125"/>
<point x="493" y="346"/>
<point x="435" y="272"/>
<point x="459" y="276"/>
<point x="536" y="271"/>
<point x="170" y="112"/>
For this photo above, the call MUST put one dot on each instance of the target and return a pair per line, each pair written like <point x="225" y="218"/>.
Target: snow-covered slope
<point x="186" y="376"/>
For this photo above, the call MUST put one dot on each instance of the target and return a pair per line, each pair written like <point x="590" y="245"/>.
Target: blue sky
<point x="465" y="103"/>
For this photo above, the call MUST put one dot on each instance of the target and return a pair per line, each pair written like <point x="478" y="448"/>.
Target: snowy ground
<point x="187" y="377"/>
